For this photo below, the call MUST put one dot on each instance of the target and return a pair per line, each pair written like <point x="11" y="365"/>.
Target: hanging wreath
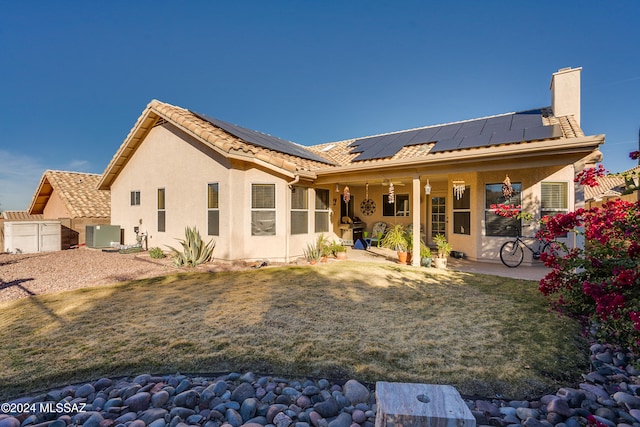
<point x="346" y="196"/>
<point x="507" y="189"/>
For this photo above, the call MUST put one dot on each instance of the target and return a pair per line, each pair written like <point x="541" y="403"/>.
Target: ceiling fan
<point x="386" y="182"/>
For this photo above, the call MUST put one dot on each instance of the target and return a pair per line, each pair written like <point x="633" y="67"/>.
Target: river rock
<point x="356" y="392"/>
<point x="328" y="408"/>
<point x="243" y="392"/>
<point x="9" y="422"/>
<point x="342" y="420"/>
<point x="559" y="406"/>
<point x="85" y="390"/>
<point x="152" y="414"/>
<point x="138" y="402"/>
<point x="282" y="420"/>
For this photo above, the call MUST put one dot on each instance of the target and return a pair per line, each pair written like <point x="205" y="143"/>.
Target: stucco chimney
<point x="565" y="92"/>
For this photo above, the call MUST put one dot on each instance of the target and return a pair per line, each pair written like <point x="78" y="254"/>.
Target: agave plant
<point x="194" y="250"/>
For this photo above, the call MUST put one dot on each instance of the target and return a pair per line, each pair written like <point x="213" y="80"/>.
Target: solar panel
<point x="423" y="136"/>
<point x="505" y="129"/>
<point x="507" y="136"/>
<point x="540" y="132"/>
<point x="527" y="119"/>
<point x="447" y="131"/>
<point x="474" y="141"/>
<point x="471" y="128"/>
<point x="446" y="145"/>
<point x="263" y="140"/>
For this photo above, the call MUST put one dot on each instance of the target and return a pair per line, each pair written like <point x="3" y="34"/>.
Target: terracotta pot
<point x="341" y="255"/>
<point x="402" y="257"/>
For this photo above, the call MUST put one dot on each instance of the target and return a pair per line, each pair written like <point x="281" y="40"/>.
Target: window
<point x="496" y="225"/>
<point x="135" y="198"/>
<point x="213" y="210"/>
<point x="462" y="212"/>
<point x="554" y="199"/>
<point x="399" y="208"/>
<point x="161" y="210"/>
<point x="263" y="209"/>
<point x="322" y="211"/>
<point x="299" y="210"/>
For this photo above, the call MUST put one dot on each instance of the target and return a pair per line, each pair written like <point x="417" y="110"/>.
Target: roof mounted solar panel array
<point x="263" y="140"/>
<point x="506" y="129"/>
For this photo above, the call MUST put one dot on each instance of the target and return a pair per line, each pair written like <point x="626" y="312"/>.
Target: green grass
<point x="485" y="335"/>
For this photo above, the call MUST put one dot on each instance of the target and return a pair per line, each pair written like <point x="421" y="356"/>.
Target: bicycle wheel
<point x="511" y="254"/>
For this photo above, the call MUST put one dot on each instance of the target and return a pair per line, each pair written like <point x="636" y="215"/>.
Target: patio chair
<point x="377" y="232"/>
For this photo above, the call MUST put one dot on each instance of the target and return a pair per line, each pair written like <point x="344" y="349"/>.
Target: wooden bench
<point x="420" y="405"/>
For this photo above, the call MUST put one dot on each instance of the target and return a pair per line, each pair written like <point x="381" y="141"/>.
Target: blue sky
<point x="75" y="75"/>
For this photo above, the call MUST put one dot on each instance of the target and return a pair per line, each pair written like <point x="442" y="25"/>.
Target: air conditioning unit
<point x="102" y="236"/>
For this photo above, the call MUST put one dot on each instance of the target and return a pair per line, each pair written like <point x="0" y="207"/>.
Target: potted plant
<point x="444" y="249"/>
<point x="325" y="248"/>
<point x="396" y="240"/>
<point x="312" y="253"/>
<point x="425" y="255"/>
<point x="338" y="250"/>
<point x="409" y="237"/>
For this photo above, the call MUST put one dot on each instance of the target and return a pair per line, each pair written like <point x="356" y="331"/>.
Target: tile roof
<point x="78" y="191"/>
<point x="20" y="216"/>
<point x="336" y="153"/>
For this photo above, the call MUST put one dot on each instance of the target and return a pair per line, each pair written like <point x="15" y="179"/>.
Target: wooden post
<point x="421" y="405"/>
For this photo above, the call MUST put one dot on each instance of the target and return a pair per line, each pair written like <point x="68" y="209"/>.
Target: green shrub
<point x="156" y="253"/>
<point x="194" y="250"/>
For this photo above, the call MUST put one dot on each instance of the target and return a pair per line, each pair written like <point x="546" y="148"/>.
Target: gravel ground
<point x="23" y="275"/>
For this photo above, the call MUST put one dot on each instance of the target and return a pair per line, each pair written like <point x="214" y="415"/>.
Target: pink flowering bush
<point x="600" y="283"/>
<point x="588" y="176"/>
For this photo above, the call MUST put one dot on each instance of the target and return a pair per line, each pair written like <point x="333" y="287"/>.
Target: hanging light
<point x="366" y="191"/>
<point x="458" y="188"/>
<point x="392" y="196"/>
<point x="337" y="188"/>
<point x="427" y="188"/>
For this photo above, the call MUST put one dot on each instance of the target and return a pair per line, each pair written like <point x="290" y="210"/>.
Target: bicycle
<point x="512" y="254"/>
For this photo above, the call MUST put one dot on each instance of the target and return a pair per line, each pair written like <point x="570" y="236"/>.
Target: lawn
<point x="485" y="335"/>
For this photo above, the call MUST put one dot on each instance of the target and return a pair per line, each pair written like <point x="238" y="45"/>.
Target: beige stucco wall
<point x="55" y="207"/>
<point x="183" y="169"/>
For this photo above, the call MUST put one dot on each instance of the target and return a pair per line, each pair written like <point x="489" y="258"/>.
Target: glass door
<point x="438" y="216"/>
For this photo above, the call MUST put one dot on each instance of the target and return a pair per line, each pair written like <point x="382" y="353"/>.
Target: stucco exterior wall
<point x="184" y="169"/>
<point x="55" y="207"/>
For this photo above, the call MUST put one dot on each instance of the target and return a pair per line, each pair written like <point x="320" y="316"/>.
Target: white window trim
<point x="274" y="209"/>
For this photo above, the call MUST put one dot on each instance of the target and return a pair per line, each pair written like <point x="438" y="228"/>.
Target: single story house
<point x="73" y="199"/>
<point x="260" y="197"/>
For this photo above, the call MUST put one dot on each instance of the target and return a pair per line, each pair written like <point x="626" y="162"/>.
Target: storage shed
<point x="31" y="236"/>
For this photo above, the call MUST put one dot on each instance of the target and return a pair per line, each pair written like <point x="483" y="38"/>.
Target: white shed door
<point x="49" y="236"/>
<point x="22" y="237"/>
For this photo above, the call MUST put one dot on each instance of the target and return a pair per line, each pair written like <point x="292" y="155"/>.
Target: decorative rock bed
<point x="608" y="397"/>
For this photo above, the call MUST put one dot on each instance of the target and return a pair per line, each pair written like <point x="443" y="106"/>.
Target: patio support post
<point x="415" y="219"/>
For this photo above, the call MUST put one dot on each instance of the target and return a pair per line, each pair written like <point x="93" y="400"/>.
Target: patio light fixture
<point x="427" y="188"/>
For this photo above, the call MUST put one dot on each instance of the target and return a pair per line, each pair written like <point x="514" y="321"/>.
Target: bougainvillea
<point x="635" y="155"/>
<point x="589" y="176"/>
<point x="600" y="282"/>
